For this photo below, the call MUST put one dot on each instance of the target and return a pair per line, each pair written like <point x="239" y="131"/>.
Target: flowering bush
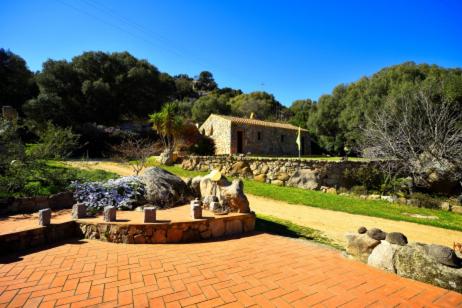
<point x="123" y="193"/>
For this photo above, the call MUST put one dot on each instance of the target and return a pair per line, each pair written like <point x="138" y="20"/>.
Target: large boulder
<point x="233" y="197"/>
<point x="209" y="187"/>
<point x="443" y="255"/>
<point x="413" y="261"/>
<point x="396" y="238"/>
<point x="360" y="246"/>
<point x="382" y="256"/>
<point x="164" y="189"/>
<point x="376" y="234"/>
<point x="304" y="178"/>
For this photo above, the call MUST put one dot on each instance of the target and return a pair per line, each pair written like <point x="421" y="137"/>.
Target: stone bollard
<point x="79" y="210"/>
<point x="44" y="217"/>
<point x="109" y="213"/>
<point x="149" y="214"/>
<point x="195" y="202"/>
<point x="196" y="212"/>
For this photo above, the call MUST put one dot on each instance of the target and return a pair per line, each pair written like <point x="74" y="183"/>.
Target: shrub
<point x="204" y="146"/>
<point x="124" y="193"/>
<point x="359" y="190"/>
<point x="426" y="201"/>
<point x="371" y="178"/>
<point x="54" y="143"/>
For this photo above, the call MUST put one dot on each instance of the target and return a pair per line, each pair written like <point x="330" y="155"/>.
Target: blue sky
<point x="292" y="49"/>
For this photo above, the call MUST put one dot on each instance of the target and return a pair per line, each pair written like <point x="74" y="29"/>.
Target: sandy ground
<point x="333" y="224"/>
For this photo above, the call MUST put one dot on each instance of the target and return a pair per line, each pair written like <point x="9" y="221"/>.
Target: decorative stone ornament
<point x="149" y="214"/>
<point x="109" y="213"/>
<point x="79" y="210"/>
<point x="44" y="217"/>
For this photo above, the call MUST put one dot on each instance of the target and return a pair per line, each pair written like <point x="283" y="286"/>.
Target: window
<point x="282" y="138"/>
<point x="258" y="135"/>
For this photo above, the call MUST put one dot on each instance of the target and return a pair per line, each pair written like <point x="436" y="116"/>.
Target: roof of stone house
<point x="256" y="122"/>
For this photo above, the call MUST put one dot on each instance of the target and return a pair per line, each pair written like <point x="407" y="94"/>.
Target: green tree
<point x="168" y="124"/>
<point x="98" y="87"/>
<point x="301" y="110"/>
<point x="338" y="119"/>
<point x="16" y="81"/>
<point x="212" y="103"/>
<point x="261" y="104"/>
<point x="205" y="82"/>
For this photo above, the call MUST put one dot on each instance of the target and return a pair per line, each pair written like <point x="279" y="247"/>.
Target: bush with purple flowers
<point x="124" y="193"/>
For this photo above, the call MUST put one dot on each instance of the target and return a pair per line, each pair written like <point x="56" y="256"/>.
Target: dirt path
<point x="333" y="224"/>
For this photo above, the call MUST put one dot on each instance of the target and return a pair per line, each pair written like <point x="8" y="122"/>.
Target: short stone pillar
<point x="109" y="213"/>
<point x="44" y="217"/>
<point x="196" y="212"/>
<point x="195" y="202"/>
<point x="79" y="210"/>
<point x="149" y="214"/>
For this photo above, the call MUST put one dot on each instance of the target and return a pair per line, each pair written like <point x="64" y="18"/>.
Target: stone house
<point x="233" y="135"/>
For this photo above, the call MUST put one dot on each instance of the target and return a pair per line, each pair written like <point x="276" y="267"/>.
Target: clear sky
<point x="292" y="49"/>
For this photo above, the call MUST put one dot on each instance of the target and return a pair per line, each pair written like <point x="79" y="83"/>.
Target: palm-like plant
<point x="168" y="124"/>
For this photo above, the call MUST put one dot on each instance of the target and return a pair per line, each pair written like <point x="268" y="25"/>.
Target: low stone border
<point x="152" y="233"/>
<point x="39" y="236"/>
<point x="175" y="232"/>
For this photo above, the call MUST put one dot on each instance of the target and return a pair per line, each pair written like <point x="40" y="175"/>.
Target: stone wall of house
<point x="176" y="232"/>
<point x="263" y="140"/>
<point x="220" y="131"/>
<point x="11" y="206"/>
<point x="308" y="174"/>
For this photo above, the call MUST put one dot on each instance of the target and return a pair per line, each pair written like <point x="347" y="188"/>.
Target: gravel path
<point x="333" y="224"/>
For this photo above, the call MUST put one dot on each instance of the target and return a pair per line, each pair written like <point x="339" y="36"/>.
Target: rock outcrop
<point x="413" y="261"/>
<point x="396" y="238"/>
<point x="360" y="246"/>
<point x="382" y="256"/>
<point x="304" y="178"/>
<point x="164" y="189"/>
<point x="376" y="234"/>
<point x="233" y="197"/>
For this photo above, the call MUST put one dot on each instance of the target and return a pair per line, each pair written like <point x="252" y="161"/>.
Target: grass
<point x="273" y="225"/>
<point x="53" y="177"/>
<point x="347" y="204"/>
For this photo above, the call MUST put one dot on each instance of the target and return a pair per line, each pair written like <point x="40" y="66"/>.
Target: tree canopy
<point x="16" y="80"/>
<point x="337" y="119"/>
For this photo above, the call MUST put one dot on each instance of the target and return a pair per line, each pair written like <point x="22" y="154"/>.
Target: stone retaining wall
<point x="11" y="206"/>
<point x="176" y="232"/>
<point x="39" y="236"/>
<point x="308" y="174"/>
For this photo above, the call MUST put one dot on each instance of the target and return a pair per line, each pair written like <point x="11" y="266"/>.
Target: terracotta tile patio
<point x="259" y="270"/>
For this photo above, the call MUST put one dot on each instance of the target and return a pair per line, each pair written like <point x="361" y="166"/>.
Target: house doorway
<point x="239" y="141"/>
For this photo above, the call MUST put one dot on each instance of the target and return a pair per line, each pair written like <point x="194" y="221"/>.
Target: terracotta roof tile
<point x="249" y="121"/>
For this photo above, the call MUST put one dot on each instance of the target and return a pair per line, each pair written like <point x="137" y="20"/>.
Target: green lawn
<point x="348" y="204"/>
